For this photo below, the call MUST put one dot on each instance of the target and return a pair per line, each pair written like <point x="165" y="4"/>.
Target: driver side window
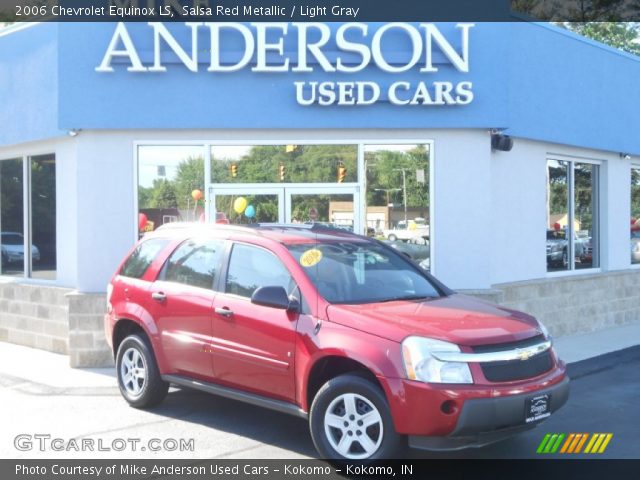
<point x="252" y="267"/>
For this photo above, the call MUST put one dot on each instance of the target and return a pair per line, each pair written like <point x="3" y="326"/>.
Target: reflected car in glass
<point x="333" y="327"/>
<point x="12" y="248"/>
<point x="635" y="246"/>
<point x="416" y="248"/>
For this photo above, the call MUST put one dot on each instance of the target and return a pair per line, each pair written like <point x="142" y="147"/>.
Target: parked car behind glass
<point x="12" y="248"/>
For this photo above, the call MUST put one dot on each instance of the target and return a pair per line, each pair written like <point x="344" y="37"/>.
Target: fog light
<point x="449" y="407"/>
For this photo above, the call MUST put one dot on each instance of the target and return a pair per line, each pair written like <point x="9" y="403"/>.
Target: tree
<point x="576" y="10"/>
<point x="622" y="35"/>
<point x="189" y="177"/>
<point x="164" y="194"/>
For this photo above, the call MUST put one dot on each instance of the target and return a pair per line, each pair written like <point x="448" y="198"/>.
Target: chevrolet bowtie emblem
<point x="524" y="354"/>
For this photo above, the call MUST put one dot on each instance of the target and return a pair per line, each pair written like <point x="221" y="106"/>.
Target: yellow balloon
<point x="240" y="204"/>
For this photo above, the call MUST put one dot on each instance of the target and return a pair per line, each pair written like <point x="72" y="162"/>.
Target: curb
<point x="602" y="362"/>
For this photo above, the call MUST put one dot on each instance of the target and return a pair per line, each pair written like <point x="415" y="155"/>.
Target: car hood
<point x="457" y="318"/>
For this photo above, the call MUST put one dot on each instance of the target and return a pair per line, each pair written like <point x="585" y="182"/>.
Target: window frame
<point x="598" y="207"/>
<point x="27" y="216"/>
<point x="304" y="139"/>
<point x="633" y="166"/>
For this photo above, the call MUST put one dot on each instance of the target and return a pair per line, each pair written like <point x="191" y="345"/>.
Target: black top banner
<point x="318" y="10"/>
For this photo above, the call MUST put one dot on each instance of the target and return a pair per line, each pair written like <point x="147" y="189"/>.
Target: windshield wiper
<point x="406" y="297"/>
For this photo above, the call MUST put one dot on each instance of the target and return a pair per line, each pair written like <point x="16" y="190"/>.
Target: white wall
<point x="489" y="218"/>
<point x="462" y="202"/>
<point x="518" y="207"/>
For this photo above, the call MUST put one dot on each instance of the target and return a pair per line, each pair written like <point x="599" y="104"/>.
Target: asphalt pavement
<point x="85" y="405"/>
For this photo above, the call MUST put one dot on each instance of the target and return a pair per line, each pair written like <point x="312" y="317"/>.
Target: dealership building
<point x="510" y="149"/>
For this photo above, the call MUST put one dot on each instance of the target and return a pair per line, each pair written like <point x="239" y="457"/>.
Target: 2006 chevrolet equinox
<point x="330" y="326"/>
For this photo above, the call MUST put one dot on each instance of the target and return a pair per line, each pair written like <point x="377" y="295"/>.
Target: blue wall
<point x="245" y="99"/>
<point x="539" y="81"/>
<point x="29" y="84"/>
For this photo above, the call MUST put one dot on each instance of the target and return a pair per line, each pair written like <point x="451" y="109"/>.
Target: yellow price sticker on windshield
<point x="310" y="257"/>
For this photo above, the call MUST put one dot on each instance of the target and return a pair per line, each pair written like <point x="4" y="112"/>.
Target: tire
<point x="564" y="263"/>
<point x="337" y="434"/>
<point x="392" y="238"/>
<point x="138" y="375"/>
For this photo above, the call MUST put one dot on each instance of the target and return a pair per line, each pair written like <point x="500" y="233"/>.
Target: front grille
<point x="515" y="369"/>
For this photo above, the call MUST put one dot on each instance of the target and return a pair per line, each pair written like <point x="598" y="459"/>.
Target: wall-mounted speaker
<point x="504" y="143"/>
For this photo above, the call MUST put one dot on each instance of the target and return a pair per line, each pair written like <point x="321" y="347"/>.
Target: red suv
<point x="330" y="326"/>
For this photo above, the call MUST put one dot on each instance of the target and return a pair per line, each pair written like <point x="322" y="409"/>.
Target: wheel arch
<point x="331" y="366"/>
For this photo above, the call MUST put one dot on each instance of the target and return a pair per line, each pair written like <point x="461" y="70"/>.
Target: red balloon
<point x="142" y="221"/>
<point x="197" y="194"/>
<point x="557" y="226"/>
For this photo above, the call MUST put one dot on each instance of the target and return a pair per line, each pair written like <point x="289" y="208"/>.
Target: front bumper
<point x="487" y="420"/>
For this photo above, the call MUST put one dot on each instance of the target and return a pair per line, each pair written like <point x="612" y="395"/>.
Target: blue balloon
<point x="250" y="212"/>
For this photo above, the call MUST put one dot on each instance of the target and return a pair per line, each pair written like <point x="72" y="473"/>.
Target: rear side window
<point x="252" y="267"/>
<point x="195" y="263"/>
<point x="144" y="254"/>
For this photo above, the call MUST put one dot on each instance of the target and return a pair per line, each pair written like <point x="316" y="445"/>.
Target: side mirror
<point x="275" y="297"/>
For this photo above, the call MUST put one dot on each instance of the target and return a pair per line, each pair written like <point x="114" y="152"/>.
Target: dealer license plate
<point x="536" y="408"/>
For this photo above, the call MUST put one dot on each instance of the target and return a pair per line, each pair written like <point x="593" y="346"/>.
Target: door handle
<point x="159" y="296"/>
<point x="225" y="312"/>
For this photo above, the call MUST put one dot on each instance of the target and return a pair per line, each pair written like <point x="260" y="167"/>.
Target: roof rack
<point x="299" y="226"/>
<point x="205" y="226"/>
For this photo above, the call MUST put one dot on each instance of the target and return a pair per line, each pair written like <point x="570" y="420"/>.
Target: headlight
<point x="420" y="365"/>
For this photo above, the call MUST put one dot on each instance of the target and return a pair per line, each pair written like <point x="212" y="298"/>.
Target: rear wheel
<point x="392" y="238"/>
<point x="138" y="376"/>
<point x="350" y="420"/>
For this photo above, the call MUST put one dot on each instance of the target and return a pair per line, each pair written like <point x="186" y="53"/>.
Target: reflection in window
<point x="572" y="216"/>
<point x="142" y="257"/>
<point x="170" y="185"/>
<point x="635" y="215"/>
<point x="251" y="267"/>
<point x="194" y="263"/>
<point x="557" y="215"/>
<point x="397" y="200"/>
<point x="585" y="207"/>
<point x="12" y="217"/>
<point x="284" y="164"/>
<point x="43" y="217"/>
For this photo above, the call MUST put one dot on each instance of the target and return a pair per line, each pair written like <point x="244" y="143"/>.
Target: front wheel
<point x="138" y="375"/>
<point x="350" y="420"/>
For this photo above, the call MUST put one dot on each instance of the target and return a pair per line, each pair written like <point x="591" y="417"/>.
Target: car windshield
<point x="12" y="239"/>
<point x="555" y="235"/>
<point x="356" y="272"/>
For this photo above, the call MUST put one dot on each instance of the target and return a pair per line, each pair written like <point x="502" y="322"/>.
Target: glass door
<point x="334" y="206"/>
<point x="240" y="206"/>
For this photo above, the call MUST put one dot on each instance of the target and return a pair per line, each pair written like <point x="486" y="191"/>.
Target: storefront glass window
<point x="635" y="215"/>
<point x="397" y="198"/>
<point x="170" y="185"/>
<point x="12" y="217"/>
<point x="284" y="164"/>
<point x="43" y="217"/>
<point x="586" y="215"/>
<point x="572" y="216"/>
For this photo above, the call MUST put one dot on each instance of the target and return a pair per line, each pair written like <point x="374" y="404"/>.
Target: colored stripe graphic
<point x="606" y="442"/>
<point x="581" y="443"/>
<point x="543" y="443"/>
<point x="568" y="442"/>
<point x="573" y="443"/>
